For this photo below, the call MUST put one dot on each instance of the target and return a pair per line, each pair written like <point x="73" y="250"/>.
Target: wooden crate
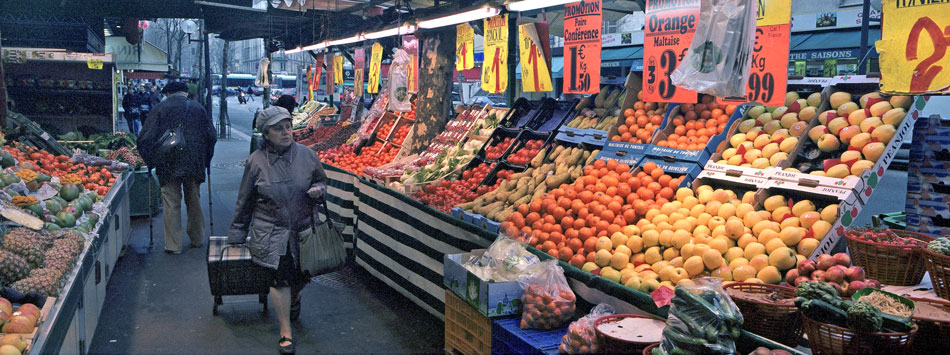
<point x="466" y="330"/>
<point x="44" y="314"/>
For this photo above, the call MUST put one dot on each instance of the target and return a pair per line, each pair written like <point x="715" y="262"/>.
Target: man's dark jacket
<point x="199" y="139"/>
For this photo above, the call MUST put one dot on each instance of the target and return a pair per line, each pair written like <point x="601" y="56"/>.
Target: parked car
<point x="494" y="101"/>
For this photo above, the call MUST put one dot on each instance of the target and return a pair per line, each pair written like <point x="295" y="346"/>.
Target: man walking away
<point x="131" y="108"/>
<point x="183" y="170"/>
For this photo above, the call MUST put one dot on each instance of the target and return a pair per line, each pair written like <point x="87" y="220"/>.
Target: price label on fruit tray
<point x="359" y="63"/>
<point x="495" y="66"/>
<point x="583" y="23"/>
<point x="464" y="47"/>
<point x="670" y="26"/>
<point x="94" y="64"/>
<point x="768" y="75"/>
<point x="915" y="49"/>
<point x="535" y="76"/>
<point x="375" y="63"/>
<point x="338" y="69"/>
<point x="411" y="45"/>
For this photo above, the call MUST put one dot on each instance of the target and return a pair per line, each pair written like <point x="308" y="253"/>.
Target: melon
<point x="69" y="192"/>
<point x="51" y="226"/>
<point x="53" y="206"/>
<point x="65" y="219"/>
<point x="6" y="160"/>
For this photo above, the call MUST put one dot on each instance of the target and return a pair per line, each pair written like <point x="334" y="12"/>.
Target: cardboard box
<point x="493" y="299"/>
<point x="737" y="174"/>
<point x="848" y="210"/>
<point x="570" y="136"/>
<point x="928" y="198"/>
<point x="697" y="156"/>
<point x="918" y="185"/>
<point x="842" y="189"/>
<point x="922" y="224"/>
<point x="624" y="156"/>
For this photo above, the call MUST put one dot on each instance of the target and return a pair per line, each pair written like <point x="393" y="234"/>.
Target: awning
<point x="831" y="45"/>
<point x="143" y="56"/>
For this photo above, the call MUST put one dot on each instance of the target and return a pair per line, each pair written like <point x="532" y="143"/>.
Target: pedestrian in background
<point x="185" y="171"/>
<point x="131" y="108"/>
<point x="282" y="183"/>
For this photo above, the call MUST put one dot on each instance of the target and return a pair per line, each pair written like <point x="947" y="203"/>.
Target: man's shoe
<point x="172" y="252"/>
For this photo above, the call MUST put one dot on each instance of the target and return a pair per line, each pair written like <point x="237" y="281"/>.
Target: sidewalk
<point x="161" y="303"/>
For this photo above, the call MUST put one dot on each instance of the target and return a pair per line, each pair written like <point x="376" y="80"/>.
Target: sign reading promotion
<point x="582" y="43"/>
<point x="535" y="76"/>
<point x="464" y="47"/>
<point x="495" y="66"/>
<point x="914" y="52"/>
<point x="668" y="33"/>
<point x="768" y="75"/>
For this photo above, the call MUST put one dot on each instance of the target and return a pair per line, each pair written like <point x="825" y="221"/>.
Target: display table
<point x="75" y="315"/>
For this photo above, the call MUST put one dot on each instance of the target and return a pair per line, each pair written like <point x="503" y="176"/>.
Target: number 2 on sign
<point x="926" y="71"/>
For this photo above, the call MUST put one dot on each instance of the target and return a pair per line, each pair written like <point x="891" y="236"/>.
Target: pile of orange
<point x="567" y="221"/>
<point x="640" y="122"/>
<point x="697" y="124"/>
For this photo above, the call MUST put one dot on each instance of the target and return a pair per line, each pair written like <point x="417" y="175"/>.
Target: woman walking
<point x="282" y="182"/>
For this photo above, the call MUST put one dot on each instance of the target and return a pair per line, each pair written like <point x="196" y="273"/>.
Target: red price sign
<point x="582" y="43"/>
<point x="768" y="76"/>
<point x="668" y="33"/>
<point x="914" y="49"/>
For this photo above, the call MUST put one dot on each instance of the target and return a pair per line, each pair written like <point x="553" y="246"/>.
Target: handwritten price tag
<point x="668" y="33"/>
<point x="495" y="67"/>
<point x="582" y="44"/>
<point x="914" y="52"/>
<point x="464" y="47"/>
<point x="535" y="76"/>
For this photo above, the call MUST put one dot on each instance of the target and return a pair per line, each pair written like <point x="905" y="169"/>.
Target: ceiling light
<point x="528" y="5"/>
<point x="348" y="40"/>
<point x="396" y="31"/>
<point x="461" y="17"/>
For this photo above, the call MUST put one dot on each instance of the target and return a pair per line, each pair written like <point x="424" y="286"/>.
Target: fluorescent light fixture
<point x="348" y="40"/>
<point x="395" y="31"/>
<point x="295" y="50"/>
<point x="461" y="17"/>
<point x="528" y="5"/>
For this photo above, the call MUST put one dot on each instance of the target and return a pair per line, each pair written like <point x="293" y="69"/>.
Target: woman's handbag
<point x="321" y="247"/>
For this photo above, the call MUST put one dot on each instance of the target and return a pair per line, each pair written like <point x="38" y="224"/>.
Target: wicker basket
<point x="936" y="333"/>
<point x="649" y="350"/>
<point x="826" y="338"/>
<point x="890" y="264"/>
<point x="613" y="345"/>
<point x="939" y="268"/>
<point x="777" y="322"/>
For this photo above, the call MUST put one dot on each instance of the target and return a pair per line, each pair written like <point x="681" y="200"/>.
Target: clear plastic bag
<point x="703" y="319"/>
<point x="581" y="337"/>
<point x="399" y="82"/>
<point x="718" y="60"/>
<point x="547" y="302"/>
<point x="506" y="260"/>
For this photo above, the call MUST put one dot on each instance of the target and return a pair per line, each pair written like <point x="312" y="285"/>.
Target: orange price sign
<point x="669" y="31"/>
<point x="359" y="64"/>
<point x="914" y="49"/>
<point x="583" y="22"/>
<point x="495" y="66"/>
<point x="768" y="75"/>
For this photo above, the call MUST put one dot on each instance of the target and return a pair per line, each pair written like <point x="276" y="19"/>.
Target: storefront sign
<point x="374" y="64"/>
<point x="825" y="54"/>
<point x="915" y="51"/>
<point x="495" y="68"/>
<point x="359" y="64"/>
<point x="583" y="22"/>
<point x="768" y="76"/>
<point x="464" y="47"/>
<point x="844" y="18"/>
<point x="669" y="32"/>
<point x="622" y="39"/>
<point x="328" y="62"/>
<point x="411" y="45"/>
<point x="94" y="64"/>
<point x="536" y="77"/>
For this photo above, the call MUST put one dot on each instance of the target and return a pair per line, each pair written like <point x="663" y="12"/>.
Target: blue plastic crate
<point x="509" y="338"/>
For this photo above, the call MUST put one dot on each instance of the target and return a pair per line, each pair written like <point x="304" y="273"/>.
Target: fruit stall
<point x="762" y="198"/>
<point x="68" y="221"/>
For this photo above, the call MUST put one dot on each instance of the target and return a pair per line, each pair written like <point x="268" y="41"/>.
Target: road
<point x="241" y="115"/>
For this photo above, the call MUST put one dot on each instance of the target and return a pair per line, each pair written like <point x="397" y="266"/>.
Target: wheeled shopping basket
<point x="231" y="272"/>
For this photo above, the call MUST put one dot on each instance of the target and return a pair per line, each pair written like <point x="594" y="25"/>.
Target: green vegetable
<point x="820" y="291"/>
<point x="822" y="311"/>
<point x="865" y="317"/>
<point x="940" y="246"/>
<point x="695" y="328"/>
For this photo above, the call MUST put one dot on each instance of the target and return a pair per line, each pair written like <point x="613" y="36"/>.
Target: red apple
<point x="843" y="259"/>
<point x="818" y="275"/>
<point x="855" y="286"/>
<point x="806" y="267"/>
<point x="835" y="274"/>
<point x="801" y="279"/>
<point x="872" y="283"/>
<point x="19" y="324"/>
<point x="854" y="273"/>
<point x="4" y="317"/>
<point x="825" y="261"/>
<point x="6" y="306"/>
<point x="791" y="276"/>
<point x="31" y="310"/>
<point x="838" y="288"/>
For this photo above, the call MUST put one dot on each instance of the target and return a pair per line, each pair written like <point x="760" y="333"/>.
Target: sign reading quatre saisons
<point x="915" y="49"/>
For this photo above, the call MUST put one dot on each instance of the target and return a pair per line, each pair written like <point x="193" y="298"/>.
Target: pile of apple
<point x="528" y="151"/>
<point x="852" y="136"/>
<point x="496" y="150"/>
<point x="15" y="324"/>
<point x="835" y="270"/>
<point x="768" y="135"/>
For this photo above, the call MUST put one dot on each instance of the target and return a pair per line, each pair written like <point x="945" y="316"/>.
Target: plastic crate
<point x="509" y="338"/>
<point x="466" y="330"/>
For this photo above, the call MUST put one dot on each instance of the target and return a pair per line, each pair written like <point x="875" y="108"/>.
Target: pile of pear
<point x="768" y="134"/>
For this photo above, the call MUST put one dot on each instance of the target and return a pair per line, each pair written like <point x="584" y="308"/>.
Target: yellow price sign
<point x="376" y="60"/>
<point x="535" y="76"/>
<point x="495" y="66"/>
<point x="464" y="47"/>
<point x="94" y="64"/>
<point x="914" y="48"/>
<point x="774" y="12"/>
<point x="338" y="69"/>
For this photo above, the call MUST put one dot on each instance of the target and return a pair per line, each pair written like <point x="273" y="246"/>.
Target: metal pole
<point x="207" y="71"/>
<point x="269" y="76"/>
<point x="3" y="95"/>
<point x="512" y="59"/>
<point x="223" y="116"/>
<point x="210" y="210"/>
<point x="865" y="24"/>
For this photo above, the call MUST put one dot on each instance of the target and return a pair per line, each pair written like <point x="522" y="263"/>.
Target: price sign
<point x="310" y="81"/>
<point x="317" y="69"/>
<point x="768" y="75"/>
<point x="338" y="69"/>
<point x="374" y="67"/>
<point x="495" y="66"/>
<point x="411" y="45"/>
<point x="328" y="61"/>
<point x="464" y="47"/>
<point x="94" y="64"/>
<point x="359" y="64"/>
<point x="669" y="31"/>
<point x="915" y="49"/>
<point x="582" y="40"/>
<point x="535" y="76"/>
